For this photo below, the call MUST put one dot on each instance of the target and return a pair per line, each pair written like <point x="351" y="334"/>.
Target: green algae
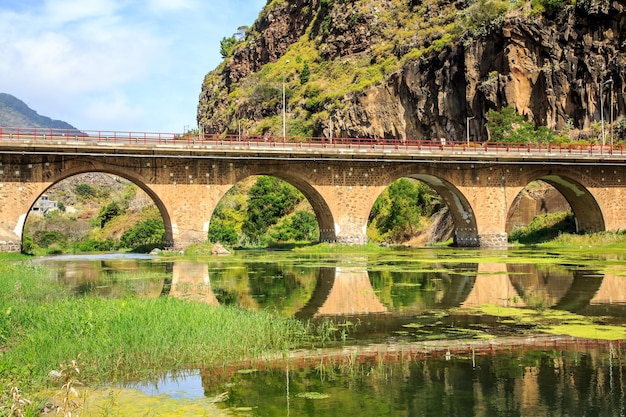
<point x="558" y="322"/>
<point x="133" y="402"/>
<point x="589" y="331"/>
<point x="312" y="395"/>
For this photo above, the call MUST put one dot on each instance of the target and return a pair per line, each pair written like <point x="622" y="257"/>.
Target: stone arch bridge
<point x="186" y="177"/>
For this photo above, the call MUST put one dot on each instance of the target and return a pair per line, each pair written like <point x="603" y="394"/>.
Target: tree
<point x="305" y="74"/>
<point x="508" y="125"/>
<point x="241" y="33"/>
<point x="227" y="45"/>
<point x="147" y="232"/>
<point x="109" y="212"/>
<point x="85" y="191"/>
<point x="503" y="124"/>
<point x="397" y="214"/>
<point x="269" y="200"/>
<point x="302" y="226"/>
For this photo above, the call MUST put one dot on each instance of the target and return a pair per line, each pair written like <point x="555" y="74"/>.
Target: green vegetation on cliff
<point x="329" y="55"/>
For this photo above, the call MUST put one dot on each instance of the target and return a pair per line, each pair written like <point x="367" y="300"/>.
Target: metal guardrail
<point x="150" y="140"/>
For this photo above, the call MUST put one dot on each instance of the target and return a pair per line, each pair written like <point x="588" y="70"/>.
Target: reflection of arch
<point x="580" y="293"/>
<point x="320" y="207"/>
<point x="611" y="291"/>
<point x="190" y="281"/>
<point x="565" y="290"/>
<point x="458" y="292"/>
<point x="542" y="286"/>
<point x="128" y="175"/>
<point x="610" y="299"/>
<point x="340" y="292"/>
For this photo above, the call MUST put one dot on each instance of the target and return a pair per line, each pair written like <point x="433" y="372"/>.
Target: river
<point x="419" y="332"/>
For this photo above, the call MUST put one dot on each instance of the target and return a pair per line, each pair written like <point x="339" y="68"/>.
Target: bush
<point x="544" y="228"/>
<point x="86" y="191"/>
<point x="147" y="232"/>
<point x="302" y="226"/>
<point x="227" y="46"/>
<point x="620" y="131"/>
<point x="220" y="231"/>
<point x="305" y="74"/>
<point x="92" y="245"/>
<point x="109" y="212"/>
<point x="507" y="125"/>
<point x="45" y="238"/>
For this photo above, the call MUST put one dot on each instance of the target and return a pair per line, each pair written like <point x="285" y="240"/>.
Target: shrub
<point x="302" y="226"/>
<point x="305" y="74"/>
<point x="509" y="126"/>
<point x="109" y="212"/>
<point x="227" y="46"/>
<point x="147" y="232"/>
<point x="85" y="191"/>
<point x="221" y="231"/>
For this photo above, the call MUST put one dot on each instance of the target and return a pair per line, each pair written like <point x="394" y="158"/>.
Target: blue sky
<point x="131" y="65"/>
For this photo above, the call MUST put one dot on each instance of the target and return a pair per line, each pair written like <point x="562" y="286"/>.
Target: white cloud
<point x="112" y="109"/>
<point x="159" y="6"/>
<point x="115" y="64"/>
<point x="60" y="12"/>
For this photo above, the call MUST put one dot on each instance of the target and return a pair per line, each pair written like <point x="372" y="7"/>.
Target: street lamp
<point x="467" y="120"/>
<point x="284" y="104"/>
<point x="610" y="80"/>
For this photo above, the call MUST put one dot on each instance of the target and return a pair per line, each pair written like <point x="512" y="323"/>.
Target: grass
<point x="544" y="228"/>
<point x="42" y="326"/>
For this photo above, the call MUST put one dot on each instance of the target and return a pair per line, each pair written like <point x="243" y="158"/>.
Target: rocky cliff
<point x="420" y="69"/>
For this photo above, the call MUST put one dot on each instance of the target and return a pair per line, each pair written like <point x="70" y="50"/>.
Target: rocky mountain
<point x="15" y="113"/>
<point x="420" y="69"/>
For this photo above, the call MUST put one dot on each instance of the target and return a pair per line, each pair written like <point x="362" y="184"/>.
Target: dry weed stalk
<point x="70" y="404"/>
<point x="19" y="403"/>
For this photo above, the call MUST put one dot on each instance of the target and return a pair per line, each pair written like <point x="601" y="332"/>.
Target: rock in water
<point x="218" y="249"/>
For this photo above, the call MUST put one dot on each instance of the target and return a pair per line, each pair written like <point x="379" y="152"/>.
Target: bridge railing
<point x="39" y="134"/>
<point x="75" y="137"/>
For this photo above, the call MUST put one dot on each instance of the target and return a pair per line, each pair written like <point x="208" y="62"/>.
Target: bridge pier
<point x="187" y="209"/>
<point x="16" y="199"/>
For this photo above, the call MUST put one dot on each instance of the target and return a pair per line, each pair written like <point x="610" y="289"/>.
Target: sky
<point x="127" y="65"/>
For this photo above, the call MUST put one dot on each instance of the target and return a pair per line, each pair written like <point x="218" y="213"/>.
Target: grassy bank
<point x="41" y="326"/>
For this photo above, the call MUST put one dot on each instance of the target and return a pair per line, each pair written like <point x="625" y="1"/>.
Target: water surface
<point x="442" y="313"/>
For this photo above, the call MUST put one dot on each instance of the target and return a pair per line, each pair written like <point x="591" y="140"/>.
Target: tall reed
<point x="42" y="326"/>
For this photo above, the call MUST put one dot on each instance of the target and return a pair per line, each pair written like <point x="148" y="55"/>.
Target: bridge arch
<point x="112" y="170"/>
<point x="588" y="214"/>
<point x="323" y="213"/>
<point x="463" y="216"/>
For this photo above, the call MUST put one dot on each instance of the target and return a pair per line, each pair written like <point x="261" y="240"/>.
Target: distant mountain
<point x="15" y="113"/>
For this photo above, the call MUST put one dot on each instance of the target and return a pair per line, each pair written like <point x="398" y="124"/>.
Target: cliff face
<point x="551" y="67"/>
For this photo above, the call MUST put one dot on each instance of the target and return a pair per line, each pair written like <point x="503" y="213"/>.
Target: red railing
<point x="77" y="138"/>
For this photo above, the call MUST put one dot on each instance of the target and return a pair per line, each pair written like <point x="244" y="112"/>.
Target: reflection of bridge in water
<point x="348" y="292"/>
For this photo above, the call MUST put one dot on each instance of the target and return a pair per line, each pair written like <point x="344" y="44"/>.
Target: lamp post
<point x="467" y="120"/>
<point x="611" y="113"/>
<point x="284" y="105"/>
<point x="610" y="80"/>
